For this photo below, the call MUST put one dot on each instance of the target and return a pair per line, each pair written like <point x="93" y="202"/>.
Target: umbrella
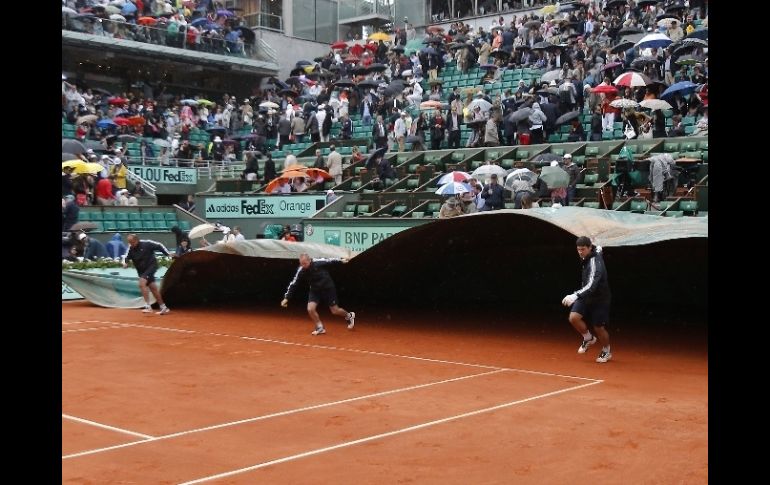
<point x="624" y="103"/>
<point x="83" y="226"/>
<point x="554" y="177"/>
<point x="379" y="36"/>
<point x="117" y="100"/>
<point x="622" y="47"/>
<point x="702" y="34"/>
<point x="629" y="31"/>
<point x="542" y="45"/>
<point x="225" y="13"/>
<point x="398" y="48"/>
<point x="687" y="61"/>
<point x="117" y="17"/>
<point x="146" y="21"/>
<point x="681" y="87"/>
<point x="86" y="119"/>
<point x="72" y="146"/>
<point x="161" y="142"/>
<point x="500" y="54"/>
<point x="453" y="188"/>
<point x="105" y="123"/>
<point x="547" y="158"/>
<point x="217" y="129"/>
<point x="128" y="138"/>
<point x="612" y="3"/>
<point x="205" y="102"/>
<point x="369" y="83"/>
<point x="647" y="3"/>
<point x="632" y="37"/>
<point x="379" y="153"/>
<point x="520" y="115"/>
<point x="68" y="156"/>
<point x="567" y="117"/>
<point x="666" y="22"/>
<point x="430" y="105"/>
<point x="549" y="76"/>
<point x="189" y="102"/>
<point x="455" y="176"/>
<point x="376" y="67"/>
<point x="632" y="79"/>
<point x="485" y="171"/>
<point x="640" y="62"/>
<point x="655" y="39"/>
<point x="268" y="104"/>
<point x="340" y="44"/>
<point x="344" y="82"/>
<point x="475" y="124"/>
<point x="488" y="67"/>
<point x="606" y="89"/>
<point x="611" y="65"/>
<point x="248" y="35"/>
<point x="522" y="174"/>
<point x="435" y="29"/>
<point x="406" y="73"/>
<point x="532" y="23"/>
<point x="655" y="104"/>
<point x="482" y="103"/>
<point x="201" y="230"/>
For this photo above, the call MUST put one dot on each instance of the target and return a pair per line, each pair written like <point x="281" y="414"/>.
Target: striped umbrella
<point x="453" y="188"/>
<point x="455" y="176"/>
<point x="653" y="40"/>
<point x="632" y="79"/>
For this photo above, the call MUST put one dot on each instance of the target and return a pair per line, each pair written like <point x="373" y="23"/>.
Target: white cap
<point x="567" y="155"/>
<point x="82" y="236"/>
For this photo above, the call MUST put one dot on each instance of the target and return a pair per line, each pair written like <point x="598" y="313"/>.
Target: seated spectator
<point x="189" y="203"/>
<point x="92" y="248"/>
<point x="138" y="190"/>
<point x="451" y="208"/>
<point x="116" y="248"/>
<point x="287" y="235"/>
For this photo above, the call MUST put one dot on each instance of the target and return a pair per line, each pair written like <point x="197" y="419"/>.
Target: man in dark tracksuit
<point x="322" y="290"/>
<point x="142" y="253"/>
<point x="591" y="303"/>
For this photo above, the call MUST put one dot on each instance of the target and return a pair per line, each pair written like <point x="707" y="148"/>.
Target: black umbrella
<point x="629" y="31"/>
<point x="248" y="35"/>
<point x="522" y="48"/>
<point x="614" y="3"/>
<point x="127" y="138"/>
<point x="640" y="62"/>
<point x="101" y="91"/>
<point x="702" y="34"/>
<point x="288" y="92"/>
<point x="500" y="54"/>
<point x="475" y="124"/>
<point x="398" y="48"/>
<point x="217" y="129"/>
<point x="677" y="5"/>
<point x="72" y="146"/>
<point x="376" y="67"/>
<point x="319" y="59"/>
<point x="519" y="115"/>
<point x="460" y="38"/>
<point x="294" y="73"/>
<point x="83" y="226"/>
<point x="359" y="70"/>
<point x="346" y="81"/>
<point x="547" y="158"/>
<point x="567" y="117"/>
<point x="542" y="45"/>
<point x="374" y="156"/>
<point x="369" y="83"/>
<point x="646" y="3"/>
<point x="622" y="47"/>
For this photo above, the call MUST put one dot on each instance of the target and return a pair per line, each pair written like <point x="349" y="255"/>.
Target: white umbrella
<point x="201" y="230"/>
<point x="483" y="103"/>
<point x="268" y="104"/>
<point x="653" y="40"/>
<point x="161" y="142"/>
<point x="453" y="188"/>
<point x="624" y="103"/>
<point x="522" y="173"/>
<point x="117" y="17"/>
<point x="554" y="75"/>
<point x="655" y="104"/>
<point x="486" y="171"/>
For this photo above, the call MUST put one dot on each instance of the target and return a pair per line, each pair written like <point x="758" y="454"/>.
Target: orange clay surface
<point x="247" y="395"/>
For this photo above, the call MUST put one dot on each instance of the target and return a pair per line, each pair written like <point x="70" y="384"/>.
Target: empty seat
<point x="96" y="216"/>
<point x="134" y="216"/>
<point x="122" y="226"/>
<point x="638" y="205"/>
<point x="417" y="214"/>
<point x="413" y="183"/>
<point x="399" y="211"/>
<point x="110" y="226"/>
<point x="592" y="205"/>
<point x="592" y="151"/>
<point x="347" y="214"/>
<point x="170" y="216"/>
<point x="108" y="216"/>
<point x="522" y="154"/>
<point x="147" y="216"/>
<point x="362" y="209"/>
<point x="590" y="178"/>
<point x="158" y="216"/>
<point x="433" y="207"/>
<point x="84" y="216"/>
<point x="332" y="214"/>
<point x="507" y="163"/>
<point x="558" y="151"/>
<point x="689" y="207"/>
<point x="184" y="225"/>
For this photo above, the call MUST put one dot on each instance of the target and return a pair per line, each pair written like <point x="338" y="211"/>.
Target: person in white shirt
<point x="399" y="131"/>
<point x="238" y="236"/>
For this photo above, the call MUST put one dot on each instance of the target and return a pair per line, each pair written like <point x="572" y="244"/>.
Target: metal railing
<point x="261" y="20"/>
<point x="149" y="188"/>
<point x="201" y="40"/>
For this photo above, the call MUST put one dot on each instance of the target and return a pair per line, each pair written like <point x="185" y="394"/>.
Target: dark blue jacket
<point x="143" y="255"/>
<point x="596" y="287"/>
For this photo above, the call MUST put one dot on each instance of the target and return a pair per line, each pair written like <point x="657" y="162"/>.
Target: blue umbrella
<point x="128" y="9"/>
<point x="682" y="87"/>
<point x="225" y="13"/>
<point x="702" y="34"/>
<point x="105" y="123"/>
<point x="198" y="22"/>
<point x="428" y="50"/>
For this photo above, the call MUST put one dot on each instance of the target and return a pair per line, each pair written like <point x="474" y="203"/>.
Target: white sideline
<point x="100" y="425"/>
<point x="382" y="435"/>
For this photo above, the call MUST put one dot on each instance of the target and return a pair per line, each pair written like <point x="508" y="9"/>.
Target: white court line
<point x="358" y="351"/>
<point x="281" y="413"/>
<point x="75" y="322"/>
<point x="89" y="329"/>
<point x="100" y="425"/>
<point x="383" y="435"/>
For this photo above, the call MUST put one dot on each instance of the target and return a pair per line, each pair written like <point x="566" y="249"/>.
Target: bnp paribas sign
<point x="265" y="207"/>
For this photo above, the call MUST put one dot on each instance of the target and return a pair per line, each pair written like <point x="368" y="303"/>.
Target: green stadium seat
<point x="122" y="226"/>
<point x="688" y="207"/>
<point x="664" y="204"/>
<point x="413" y="183"/>
<point x="592" y="151"/>
<point x="134" y="216"/>
<point x="108" y="216"/>
<point x="558" y="151"/>
<point x="184" y="225"/>
<point x="84" y="216"/>
<point x="347" y="214"/>
<point x="99" y="226"/>
<point x="332" y="214"/>
<point x="510" y="205"/>
<point x="110" y="226"/>
<point x="147" y="217"/>
<point x="399" y="210"/>
<point x="170" y="216"/>
<point x="355" y="185"/>
<point x="522" y="154"/>
<point x="579" y="160"/>
<point x="418" y="214"/>
<point x="362" y="209"/>
<point x="590" y="178"/>
<point x="638" y="206"/>
<point x="507" y="163"/>
<point x="592" y="205"/>
<point x="96" y="216"/>
<point x="670" y="147"/>
<point x="703" y="145"/>
<point x="433" y="207"/>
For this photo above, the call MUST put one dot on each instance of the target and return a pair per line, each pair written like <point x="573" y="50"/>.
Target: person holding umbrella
<point x="322" y="290"/>
<point x="493" y="195"/>
<point x="591" y="303"/>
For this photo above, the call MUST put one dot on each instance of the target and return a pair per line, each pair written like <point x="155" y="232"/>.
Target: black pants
<point x="454" y="139"/>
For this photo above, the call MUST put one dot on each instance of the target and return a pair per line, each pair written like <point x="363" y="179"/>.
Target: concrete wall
<point x="289" y="50"/>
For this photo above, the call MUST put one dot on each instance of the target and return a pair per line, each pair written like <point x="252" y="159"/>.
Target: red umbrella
<point x="146" y="21"/>
<point x="632" y="79"/>
<point x="357" y="50"/>
<point x="351" y="59"/>
<point x="339" y="45"/>
<point x="121" y="121"/>
<point x="136" y="120"/>
<point x="435" y="29"/>
<point x="371" y="47"/>
<point x="605" y="89"/>
<point x="117" y="100"/>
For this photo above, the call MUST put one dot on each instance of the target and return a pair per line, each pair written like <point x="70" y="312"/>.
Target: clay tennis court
<point x="247" y="395"/>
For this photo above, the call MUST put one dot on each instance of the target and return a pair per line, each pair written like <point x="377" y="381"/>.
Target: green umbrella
<point x="554" y="177"/>
<point x="413" y="46"/>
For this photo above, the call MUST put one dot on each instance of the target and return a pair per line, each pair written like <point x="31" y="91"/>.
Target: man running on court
<point x="322" y="290"/>
<point x="142" y="253"/>
<point x="591" y="303"/>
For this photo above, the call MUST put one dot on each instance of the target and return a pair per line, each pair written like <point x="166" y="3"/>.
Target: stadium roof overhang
<point x="99" y="43"/>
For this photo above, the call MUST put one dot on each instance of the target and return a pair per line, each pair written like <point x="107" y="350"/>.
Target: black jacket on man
<point x="143" y="255"/>
<point x="596" y="287"/>
<point x="316" y="275"/>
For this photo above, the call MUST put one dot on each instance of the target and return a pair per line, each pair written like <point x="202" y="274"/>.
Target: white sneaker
<point x="163" y="311"/>
<point x="147" y="309"/>
<point x="604" y="356"/>
<point x="318" y="331"/>
<point x="352" y="320"/>
<point x="586" y="343"/>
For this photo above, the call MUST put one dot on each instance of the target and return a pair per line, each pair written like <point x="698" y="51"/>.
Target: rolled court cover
<point x="412" y="262"/>
<point x="119" y="288"/>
